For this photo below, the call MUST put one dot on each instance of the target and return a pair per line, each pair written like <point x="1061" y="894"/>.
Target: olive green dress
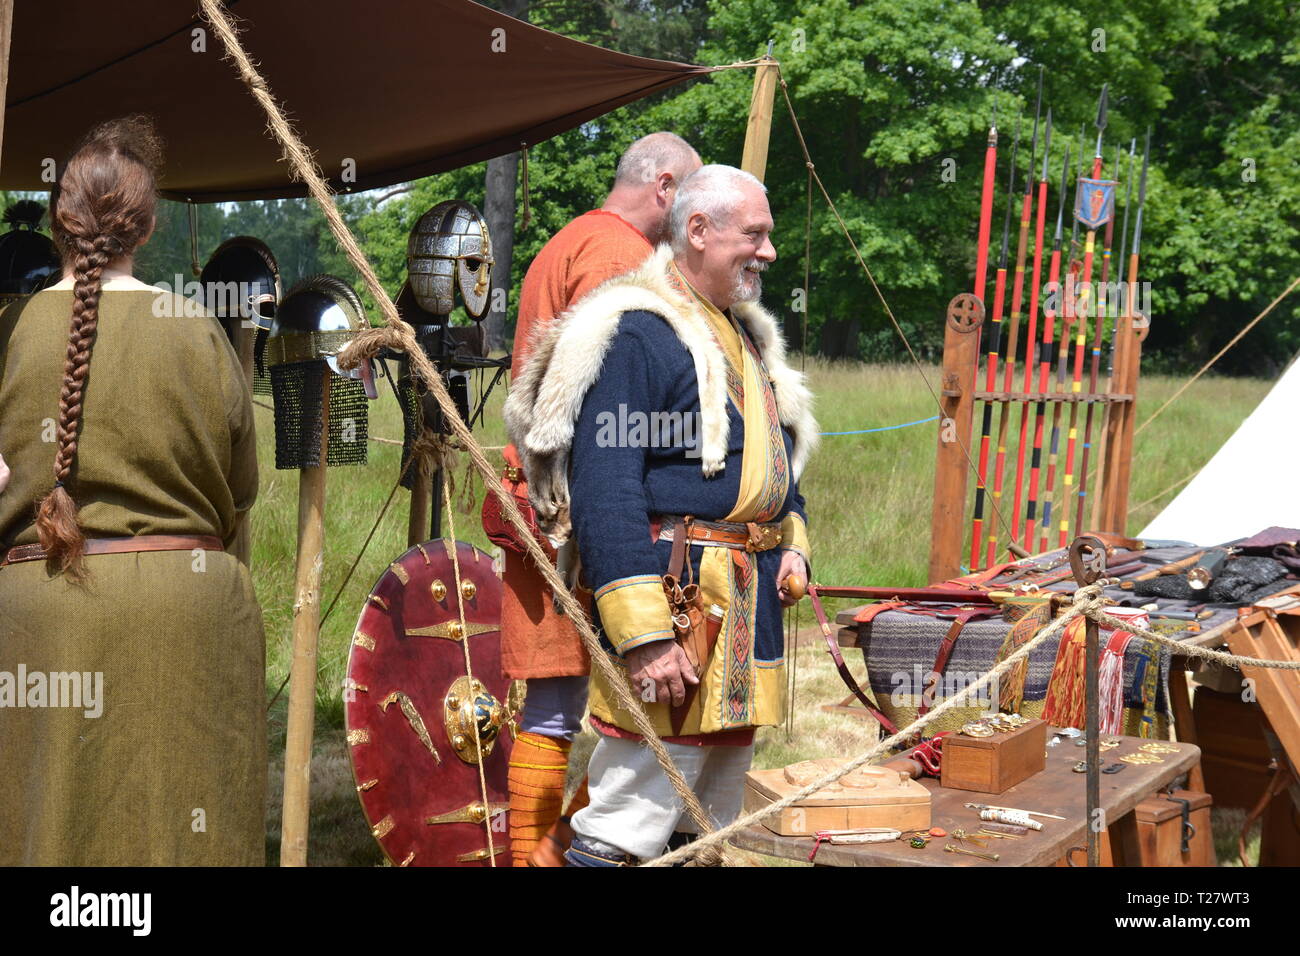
<point x="173" y="768"/>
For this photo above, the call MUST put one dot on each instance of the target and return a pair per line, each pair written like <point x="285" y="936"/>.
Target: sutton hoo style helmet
<point x="28" y="259"/>
<point x="242" y="280"/>
<point x="450" y="247"/>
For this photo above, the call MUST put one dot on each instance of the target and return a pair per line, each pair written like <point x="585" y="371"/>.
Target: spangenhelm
<point x="450" y="247"/>
<point x="242" y="280"/>
<point x="29" y="260"/>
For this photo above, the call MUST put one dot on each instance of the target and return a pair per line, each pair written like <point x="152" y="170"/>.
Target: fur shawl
<point x="542" y="409"/>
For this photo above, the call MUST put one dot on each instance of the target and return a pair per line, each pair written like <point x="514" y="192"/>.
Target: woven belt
<point x="140" y="542"/>
<point x="743" y="536"/>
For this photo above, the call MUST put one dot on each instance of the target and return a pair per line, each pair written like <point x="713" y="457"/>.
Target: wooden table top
<point x="1057" y="789"/>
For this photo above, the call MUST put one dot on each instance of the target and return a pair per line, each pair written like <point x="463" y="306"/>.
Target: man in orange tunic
<point x="538" y="643"/>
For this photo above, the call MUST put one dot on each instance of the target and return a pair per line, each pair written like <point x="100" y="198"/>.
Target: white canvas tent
<point x="1251" y="483"/>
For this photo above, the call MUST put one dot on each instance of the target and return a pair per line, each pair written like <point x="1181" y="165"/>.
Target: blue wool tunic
<point x="620" y="476"/>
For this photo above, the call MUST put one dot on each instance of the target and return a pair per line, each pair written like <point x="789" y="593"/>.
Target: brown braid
<point x="102" y="209"/>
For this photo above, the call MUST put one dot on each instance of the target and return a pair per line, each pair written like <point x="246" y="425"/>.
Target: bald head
<point x="657" y="153"/>
<point x="648" y="175"/>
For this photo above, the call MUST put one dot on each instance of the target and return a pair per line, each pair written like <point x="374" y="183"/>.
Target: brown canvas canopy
<point x="404" y="88"/>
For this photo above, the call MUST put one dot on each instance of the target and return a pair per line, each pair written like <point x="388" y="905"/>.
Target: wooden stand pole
<point x="6" y="33"/>
<point x="947" y="516"/>
<point x="417" y="527"/>
<point x="753" y="159"/>
<point x="306" y="635"/>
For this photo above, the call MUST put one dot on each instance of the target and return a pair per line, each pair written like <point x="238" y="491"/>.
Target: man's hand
<point x="791" y="563"/>
<point x="4" y="473"/>
<point x="660" y="668"/>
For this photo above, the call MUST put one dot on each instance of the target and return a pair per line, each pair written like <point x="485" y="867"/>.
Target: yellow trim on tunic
<point x="794" y="536"/>
<point x="634" y="611"/>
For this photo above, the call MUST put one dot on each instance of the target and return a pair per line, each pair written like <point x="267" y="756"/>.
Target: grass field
<point x="869" y="500"/>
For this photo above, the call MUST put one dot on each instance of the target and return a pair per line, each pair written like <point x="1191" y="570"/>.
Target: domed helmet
<point x="450" y="247"/>
<point x="29" y="260"/>
<point x="317" y="319"/>
<point x="242" y="280"/>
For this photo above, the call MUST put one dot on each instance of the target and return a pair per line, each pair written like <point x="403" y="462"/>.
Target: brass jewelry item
<point x="1155" y="747"/>
<point x="978" y="730"/>
<point x="953" y="848"/>
<point x="1142" y="758"/>
<point x="961" y="836"/>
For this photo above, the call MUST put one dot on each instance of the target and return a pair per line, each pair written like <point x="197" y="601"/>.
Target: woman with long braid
<point x="132" y="689"/>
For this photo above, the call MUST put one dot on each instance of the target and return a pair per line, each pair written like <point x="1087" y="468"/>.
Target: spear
<point x="1124" y="362"/>
<point x="1099" y="331"/>
<point x="991" y="365"/>
<point x="1067" y="318"/>
<point x="1045" y="361"/>
<point x="986" y="207"/>
<point x="1031" y="336"/>
<point x="1013" y="340"/>
<point x="1118" y="305"/>
<point x="1087" y="302"/>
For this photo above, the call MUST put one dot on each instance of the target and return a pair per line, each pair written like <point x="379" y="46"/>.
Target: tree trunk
<point x="499" y="210"/>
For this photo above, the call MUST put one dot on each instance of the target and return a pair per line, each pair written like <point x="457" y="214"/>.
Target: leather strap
<point x="845" y="674"/>
<point x="142" y="542"/>
<point x="960" y="617"/>
<point x="750" y="536"/>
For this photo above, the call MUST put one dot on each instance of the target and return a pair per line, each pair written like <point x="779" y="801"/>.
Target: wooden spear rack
<point x="1035" y="494"/>
<point x="959" y="439"/>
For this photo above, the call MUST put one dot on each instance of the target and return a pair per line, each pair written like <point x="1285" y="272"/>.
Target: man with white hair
<point x="659" y="424"/>
<point x="539" y="644"/>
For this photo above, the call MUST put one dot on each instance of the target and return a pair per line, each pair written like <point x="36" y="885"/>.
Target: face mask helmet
<point x="450" y="248"/>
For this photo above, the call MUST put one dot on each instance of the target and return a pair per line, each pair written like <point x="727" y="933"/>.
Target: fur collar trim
<point x="542" y="408"/>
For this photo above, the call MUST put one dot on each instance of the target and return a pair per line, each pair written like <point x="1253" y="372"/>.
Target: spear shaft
<point x="1013" y="342"/>
<point x="1081" y="339"/>
<point x="995" y="343"/>
<point x="1045" y="360"/>
<point x="1031" y="335"/>
<point x="1062" y="357"/>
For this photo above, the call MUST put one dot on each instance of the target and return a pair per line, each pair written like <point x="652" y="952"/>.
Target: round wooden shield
<point x="412" y="708"/>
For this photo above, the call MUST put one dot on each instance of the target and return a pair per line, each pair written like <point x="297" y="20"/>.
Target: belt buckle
<point x="512" y="474"/>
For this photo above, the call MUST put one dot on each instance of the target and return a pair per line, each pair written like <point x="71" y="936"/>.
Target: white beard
<point x="748" y="287"/>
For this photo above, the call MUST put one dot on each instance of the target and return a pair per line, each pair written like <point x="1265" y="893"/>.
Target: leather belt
<point x="748" y="536"/>
<point x="140" y="542"/>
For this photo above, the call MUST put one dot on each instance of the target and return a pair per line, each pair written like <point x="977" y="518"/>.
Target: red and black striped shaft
<point x="1045" y="361"/>
<point x="991" y="364"/>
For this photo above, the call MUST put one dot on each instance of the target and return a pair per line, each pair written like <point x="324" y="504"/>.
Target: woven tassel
<point x="1110" y="683"/>
<point x="1066" y="691"/>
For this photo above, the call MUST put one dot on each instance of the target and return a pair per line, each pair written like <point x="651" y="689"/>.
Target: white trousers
<point x="634" y="807"/>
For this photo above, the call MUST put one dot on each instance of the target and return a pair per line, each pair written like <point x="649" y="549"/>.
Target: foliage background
<point x="886" y="91"/>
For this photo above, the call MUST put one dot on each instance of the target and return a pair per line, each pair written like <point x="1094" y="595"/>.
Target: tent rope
<point x="397" y="334"/>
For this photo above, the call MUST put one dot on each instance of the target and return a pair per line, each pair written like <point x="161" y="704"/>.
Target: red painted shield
<point x="412" y="710"/>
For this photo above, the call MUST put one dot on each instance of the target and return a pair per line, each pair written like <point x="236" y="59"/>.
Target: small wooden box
<point x="1160" y="834"/>
<point x="993" y="764"/>
<point x="1160" y="830"/>
<point x="898" y="803"/>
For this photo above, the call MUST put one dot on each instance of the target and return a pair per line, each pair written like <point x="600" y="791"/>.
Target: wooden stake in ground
<point x="306" y="636"/>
